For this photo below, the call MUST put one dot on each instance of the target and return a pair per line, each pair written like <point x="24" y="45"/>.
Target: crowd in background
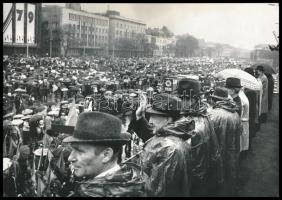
<point x="40" y="92"/>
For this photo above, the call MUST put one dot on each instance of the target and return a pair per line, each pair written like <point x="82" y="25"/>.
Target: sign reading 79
<point x="30" y="16"/>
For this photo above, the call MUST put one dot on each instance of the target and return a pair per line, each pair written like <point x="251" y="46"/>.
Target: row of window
<point x="97" y="37"/>
<point x="90" y="20"/>
<point x="90" y="29"/>
<point x="127" y="26"/>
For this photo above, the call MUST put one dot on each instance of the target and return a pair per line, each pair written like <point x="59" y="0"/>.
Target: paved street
<point x="260" y="170"/>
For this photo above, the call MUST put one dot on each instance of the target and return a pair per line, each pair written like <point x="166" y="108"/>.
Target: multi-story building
<point x="21" y="28"/>
<point x="72" y="31"/>
<point x="124" y="28"/>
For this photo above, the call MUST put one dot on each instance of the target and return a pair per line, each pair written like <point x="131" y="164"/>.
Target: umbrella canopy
<point x="17" y="122"/>
<point x="35" y="118"/>
<point x="20" y="90"/>
<point x="267" y="68"/>
<point x="27" y="112"/>
<point x="247" y="80"/>
<point x="8" y="115"/>
<point x="64" y="89"/>
<point x="19" y="116"/>
<point x="40" y="108"/>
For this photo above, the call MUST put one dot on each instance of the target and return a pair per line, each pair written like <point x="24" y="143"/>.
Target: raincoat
<point x="167" y="161"/>
<point x="207" y="163"/>
<point x="227" y="126"/>
<point x="126" y="182"/>
<point x="264" y="100"/>
<point x="244" y="137"/>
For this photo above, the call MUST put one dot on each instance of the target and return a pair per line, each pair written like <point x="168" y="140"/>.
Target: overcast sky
<point x="241" y="25"/>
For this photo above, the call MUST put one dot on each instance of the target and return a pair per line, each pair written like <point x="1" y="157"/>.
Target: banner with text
<point x="30" y="24"/>
<point x="7" y="22"/>
<point x="19" y="18"/>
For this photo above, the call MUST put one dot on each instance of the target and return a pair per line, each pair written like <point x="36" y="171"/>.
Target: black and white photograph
<point x="140" y="99"/>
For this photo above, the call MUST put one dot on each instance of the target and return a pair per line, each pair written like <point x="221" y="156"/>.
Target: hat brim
<point x="152" y="111"/>
<point x="124" y="138"/>
<point x="228" y="86"/>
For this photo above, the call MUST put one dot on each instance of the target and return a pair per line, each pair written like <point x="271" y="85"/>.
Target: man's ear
<point x="108" y="153"/>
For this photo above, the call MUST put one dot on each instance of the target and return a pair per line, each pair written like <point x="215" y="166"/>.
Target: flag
<point x="72" y="116"/>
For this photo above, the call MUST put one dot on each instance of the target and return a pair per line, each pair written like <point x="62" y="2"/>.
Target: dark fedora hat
<point x="233" y="83"/>
<point x="165" y="104"/>
<point x="220" y="93"/>
<point x="260" y="68"/>
<point x="98" y="127"/>
<point x="188" y="85"/>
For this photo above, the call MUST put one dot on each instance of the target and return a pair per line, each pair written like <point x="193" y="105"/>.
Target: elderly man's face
<point x="85" y="161"/>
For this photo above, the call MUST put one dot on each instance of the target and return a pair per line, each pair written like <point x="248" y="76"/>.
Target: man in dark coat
<point x="96" y="145"/>
<point x="166" y="156"/>
<point x="270" y="90"/>
<point x="227" y="124"/>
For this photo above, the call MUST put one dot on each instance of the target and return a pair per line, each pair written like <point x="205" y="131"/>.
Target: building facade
<point x="21" y="28"/>
<point x="74" y="32"/>
<point x="124" y="30"/>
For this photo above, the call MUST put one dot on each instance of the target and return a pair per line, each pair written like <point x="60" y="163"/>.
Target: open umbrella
<point x="267" y="68"/>
<point x="27" y="112"/>
<point x="40" y="108"/>
<point x="35" y="118"/>
<point x="20" y="90"/>
<point x="247" y="80"/>
<point x="17" y="122"/>
<point x="50" y="103"/>
<point x="64" y="89"/>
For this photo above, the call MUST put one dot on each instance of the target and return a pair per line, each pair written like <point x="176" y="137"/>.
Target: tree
<point x="186" y="46"/>
<point x="167" y="32"/>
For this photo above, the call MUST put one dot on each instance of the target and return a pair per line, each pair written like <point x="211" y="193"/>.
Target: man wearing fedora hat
<point x="227" y="126"/>
<point x="205" y="148"/>
<point x="166" y="156"/>
<point x="96" y="144"/>
<point x="234" y="86"/>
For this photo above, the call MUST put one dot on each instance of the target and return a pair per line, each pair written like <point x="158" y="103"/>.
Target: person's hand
<point x="140" y="112"/>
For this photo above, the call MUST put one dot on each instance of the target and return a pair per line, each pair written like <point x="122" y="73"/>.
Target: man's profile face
<point x="84" y="161"/>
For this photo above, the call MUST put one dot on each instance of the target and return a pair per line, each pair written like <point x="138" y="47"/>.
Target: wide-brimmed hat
<point x="165" y="104"/>
<point x="97" y="127"/>
<point x="220" y="93"/>
<point x="233" y="83"/>
<point x="189" y="86"/>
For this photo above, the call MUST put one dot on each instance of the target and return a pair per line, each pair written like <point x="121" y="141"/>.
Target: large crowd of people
<point x="95" y="126"/>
